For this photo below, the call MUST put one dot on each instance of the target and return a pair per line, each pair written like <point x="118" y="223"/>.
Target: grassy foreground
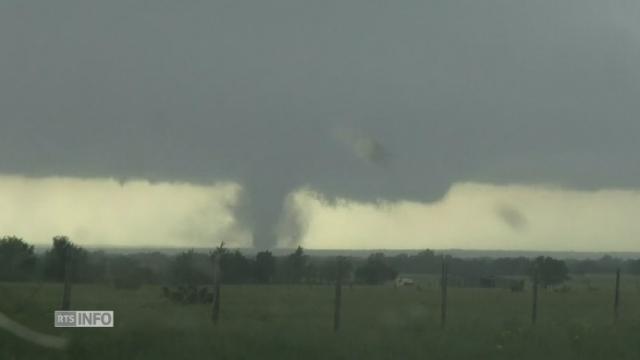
<point x="295" y="322"/>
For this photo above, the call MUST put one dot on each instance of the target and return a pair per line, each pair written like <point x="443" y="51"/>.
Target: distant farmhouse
<point x="404" y="282"/>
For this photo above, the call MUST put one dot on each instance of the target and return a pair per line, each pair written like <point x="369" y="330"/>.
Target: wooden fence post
<point x="68" y="269"/>
<point x="217" y="274"/>
<point x="534" y="308"/>
<point x="340" y="270"/>
<point x="443" y="290"/>
<point x="616" y="299"/>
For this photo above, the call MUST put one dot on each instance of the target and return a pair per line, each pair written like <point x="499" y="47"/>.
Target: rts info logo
<point x="83" y="319"/>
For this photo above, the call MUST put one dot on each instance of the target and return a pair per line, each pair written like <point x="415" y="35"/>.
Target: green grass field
<point x="295" y="322"/>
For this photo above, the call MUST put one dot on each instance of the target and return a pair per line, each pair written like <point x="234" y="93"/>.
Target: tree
<point x="17" y="260"/>
<point x="184" y="269"/>
<point x="61" y="251"/>
<point x="265" y="267"/>
<point x="235" y="268"/>
<point x="295" y="265"/>
<point x="375" y="270"/>
<point x="634" y="266"/>
<point x="587" y="266"/>
<point x="127" y="273"/>
<point x="341" y="268"/>
<point x="550" y="271"/>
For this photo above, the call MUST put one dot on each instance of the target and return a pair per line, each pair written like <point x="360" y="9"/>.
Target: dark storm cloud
<point x="252" y="91"/>
<point x="364" y="147"/>
<point x="512" y="217"/>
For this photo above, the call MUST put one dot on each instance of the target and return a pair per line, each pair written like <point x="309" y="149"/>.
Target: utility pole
<point x="217" y="276"/>
<point x="68" y="269"/>
<point x="534" y="308"/>
<point x="443" y="290"/>
<point x="616" y="299"/>
<point x="341" y="266"/>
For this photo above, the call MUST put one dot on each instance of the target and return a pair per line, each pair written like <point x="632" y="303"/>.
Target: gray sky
<point x="358" y="99"/>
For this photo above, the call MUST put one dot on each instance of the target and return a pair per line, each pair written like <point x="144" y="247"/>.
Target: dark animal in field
<point x="208" y="298"/>
<point x="495" y="282"/>
<point x="173" y="295"/>
<point x="517" y="286"/>
<point x="188" y="295"/>
<point x="176" y="296"/>
<point x="488" y="282"/>
<point x="191" y="295"/>
<point x="204" y="296"/>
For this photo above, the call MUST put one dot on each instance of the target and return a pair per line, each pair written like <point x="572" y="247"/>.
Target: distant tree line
<point x="19" y="262"/>
<point x="428" y="262"/>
